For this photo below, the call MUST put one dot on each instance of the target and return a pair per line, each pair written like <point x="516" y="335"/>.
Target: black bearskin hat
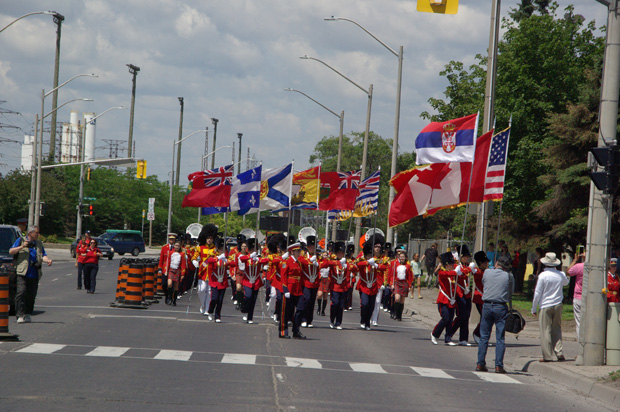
<point x="209" y="230"/>
<point x="275" y="241"/>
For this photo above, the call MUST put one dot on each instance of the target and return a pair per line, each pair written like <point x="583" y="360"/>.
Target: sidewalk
<point x="523" y="352"/>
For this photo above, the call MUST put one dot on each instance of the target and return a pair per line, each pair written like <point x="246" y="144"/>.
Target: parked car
<point x="8" y="235"/>
<point x="104" y="247"/>
<point x="124" y="241"/>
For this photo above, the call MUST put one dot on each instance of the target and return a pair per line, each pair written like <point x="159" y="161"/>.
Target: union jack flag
<point x="349" y="180"/>
<point x="221" y="176"/>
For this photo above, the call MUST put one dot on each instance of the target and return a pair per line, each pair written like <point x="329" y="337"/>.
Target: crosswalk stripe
<point x="107" y="351"/>
<point x="367" y="367"/>
<point x="495" y="378"/>
<point x="45" y="348"/>
<point x="178" y="355"/>
<point x="238" y="358"/>
<point x="303" y="363"/>
<point x="432" y="373"/>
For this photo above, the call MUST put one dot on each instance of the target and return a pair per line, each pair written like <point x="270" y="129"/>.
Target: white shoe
<point x="350" y="308"/>
<point x="373" y="323"/>
<point x="210" y="316"/>
<point x="250" y="322"/>
<point x="367" y="328"/>
<point x="385" y="310"/>
<point x="218" y="320"/>
<point x="234" y="302"/>
<point x="310" y="325"/>
<point x="21" y="320"/>
<point x="205" y="313"/>
<point x="362" y="326"/>
<point x="245" y="318"/>
<point x="433" y="339"/>
<point x="339" y="327"/>
<point x="346" y="310"/>
<point x="464" y="343"/>
<point x="27" y="319"/>
<point x="331" y="326"/>
<point x="304" y="324"/>
<point x="451" y="343"/>
<point x="202" y="310"/>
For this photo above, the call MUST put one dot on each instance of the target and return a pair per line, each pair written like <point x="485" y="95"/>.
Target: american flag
<point x="218" y="177"/>
<point x="349" y="180"/>
<point x="496" y="171"/>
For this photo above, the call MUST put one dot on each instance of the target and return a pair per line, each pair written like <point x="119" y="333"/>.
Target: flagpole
<point x="471" y="175"/>
<point x="501" y="203"/>
<point x="290" y="195"/>
<point x="318" y="199"/>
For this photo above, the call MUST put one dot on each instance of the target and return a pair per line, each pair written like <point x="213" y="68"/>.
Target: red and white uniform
<point x="613" y="288"/>
<point x="338" y="277"/>
<point x="368" y="282"/>
<point x="202" y="254"/>
<point x="478" y="286"/>
<point x="217" y="272"/>
<point x="462" y="282"/>
<point x="400" y="277"/>
<point x="164" y="258"/>
<point x="310" y="270"/>
<point x="292" y="277"/>
<point x="250" y="268"/>
<point x="447" y="287"/>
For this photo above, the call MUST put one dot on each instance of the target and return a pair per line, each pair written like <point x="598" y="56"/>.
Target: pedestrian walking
<point x="430" y="261"/>
<point x="91" y="266"/>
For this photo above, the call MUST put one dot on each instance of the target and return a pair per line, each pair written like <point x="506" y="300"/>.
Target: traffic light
<point x="81" y="209"/>
<point x="90" y="210"/>
<point x="141" y="169"/>
<point x="609" y="158"/>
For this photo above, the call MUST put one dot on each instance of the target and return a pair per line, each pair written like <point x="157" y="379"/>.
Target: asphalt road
<point x="81" y="354"/>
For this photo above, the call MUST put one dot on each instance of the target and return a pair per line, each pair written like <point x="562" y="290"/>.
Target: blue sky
<point x="232" y="60"/>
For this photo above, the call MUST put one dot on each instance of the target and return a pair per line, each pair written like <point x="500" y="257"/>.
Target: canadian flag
<point x="428" y="189"/>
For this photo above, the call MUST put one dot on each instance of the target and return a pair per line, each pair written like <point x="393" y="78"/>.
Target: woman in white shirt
<point x="416" y="268"/>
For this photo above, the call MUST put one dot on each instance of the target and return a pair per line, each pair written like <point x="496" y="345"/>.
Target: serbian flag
<point x="343" y="190"/>
<point x="210" y="188"/>
<point x="446" y="142"/>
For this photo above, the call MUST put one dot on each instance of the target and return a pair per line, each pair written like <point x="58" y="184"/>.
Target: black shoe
<point x="284" y="336"/>
<point x="500" y="369"/>
<point x="482" y="368"/>
<point x="79" y="288"/>
<point x="298" y="335"/>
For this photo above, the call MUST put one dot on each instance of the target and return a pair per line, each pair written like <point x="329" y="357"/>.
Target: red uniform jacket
<point x="202" y="254"/>
<point x="393" y="275"/>
<point x="478" y="286"/>
<point x="338" y="279"/>
<point x="90" y="256"/>
<point x="368" y="282"/>
<point x="164" y="258"/>
<point x="613" y="288"/>
<point x="251" y="270"/>
<point x="273" y="260"/>
<point x="217" y="272"/>
<point x="80" y="249"/>
<point x="311" y="276"/>
<point x="447" y="287"/>
<point x="463" y="283"/>
<point x="292" y="277"/>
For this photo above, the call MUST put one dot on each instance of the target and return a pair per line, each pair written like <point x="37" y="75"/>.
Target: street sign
<point x="438" y="6"/>
<point x="151" y="205"/>
<point x="89" y="198"/>
<point x="150" y="216"/>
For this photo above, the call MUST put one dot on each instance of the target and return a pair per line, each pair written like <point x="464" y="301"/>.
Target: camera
<point x="36" y="265"/>
<point x="32" y="244"/>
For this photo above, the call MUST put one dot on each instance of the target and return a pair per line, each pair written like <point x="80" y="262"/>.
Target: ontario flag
<point x="343" y="190"/>
<point x="210" y="188"/>
<point x="449" y="141"/>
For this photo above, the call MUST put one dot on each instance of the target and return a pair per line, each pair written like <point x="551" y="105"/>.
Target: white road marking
<point x="107" y="351"/>
<point x="432" y="373"/>
<point x="495" y="377"/>
<point x="303" y="363"/>
<point x="69" y="274"/>
<point x="238" y="358"/>
<point x="367" y="367"/>
<point x="178" y="355"/>
<point x="93" y="316"/>
<point x="45" y="348"/>
<point x="280" y="377"/>
<point x="54" y="280"/>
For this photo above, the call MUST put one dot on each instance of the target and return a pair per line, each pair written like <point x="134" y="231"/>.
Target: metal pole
<point x="214" y="121"/>
<point x="171" y="183"/>
<point x="78" y="226"/>
<point x="390" y="231"/>
<point x="58" y="19"/>
<point x="488" y="115"/>
<point x="239" y="135"/>
<point x="134" y="71"/>
<point x="37" y="208"/>
<point x="33" y="172"/>
<point x="358" y="220"/>
<point x="180" y="135"/>
<point x="599" y="216"/>
<point x="335" y="223"/>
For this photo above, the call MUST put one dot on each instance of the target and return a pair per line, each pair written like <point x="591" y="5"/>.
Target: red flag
<point x="210" y="188"/>
<point x="343" y="190"/>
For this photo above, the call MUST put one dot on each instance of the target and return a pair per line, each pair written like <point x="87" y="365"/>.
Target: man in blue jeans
<point x="498" y="287"/>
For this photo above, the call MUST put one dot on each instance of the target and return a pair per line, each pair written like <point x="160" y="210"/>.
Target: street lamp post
<point x="58" y="19"/>
<point x="37" y="197"/>
<point x="26" y="15"/>
<point x="239" y="136"/>
<point x="133" y="70"/>
<point x="181" y="102"/>
<point x="78" y="226"/>
<point x="399" y="55"/>
<point x="358" y="220"/>
<point x="33" y="217"/>
<point x="214" y="121"/>
<point x="341" y="117"/>
<point x="174" y="145"/>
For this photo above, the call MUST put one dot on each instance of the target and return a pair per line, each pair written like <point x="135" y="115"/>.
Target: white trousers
<point x="577" y="313"/>
<point x="271" y="306"/>
<point x="375" y="313"/>
<point x="204" y="294"/>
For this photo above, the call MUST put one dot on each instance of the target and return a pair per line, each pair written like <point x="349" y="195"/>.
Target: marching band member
<point x="273" y="261"/>
<point x="387" y="298"/>
<point x="164" y="265"/>
<point x="218" y="281"/>
<point x="381" y="260"/>
<point x="324" y="286"/>
<point x="446" y="299"/>
<point x="483" y="263"/>
<point x="239" y="272"/>
<point x="310" y="269"/>
<point x="463" y="299"/>
<point x="402" y="278"/>
<point x="252" y="281"/>
<point x="352" y="272"/>
<point x="367" y="285"/>
<point x="613" y="284"/>
<point x="176" y="274"/>
<point x="292" y="282"/>
<point x="205" y="250"/>
<point x="232" y="257"/>
<point x="339" y="282"/>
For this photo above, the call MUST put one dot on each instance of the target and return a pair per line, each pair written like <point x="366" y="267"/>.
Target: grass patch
<point x="521" y="303"/>
<point x="613" y="376"/>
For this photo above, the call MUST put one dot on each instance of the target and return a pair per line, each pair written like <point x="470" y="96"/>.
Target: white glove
<point x="382" y="287"/>
<point x="265" y="267"/>
<point x="253" y="255"/>
<point x="222" y="257"/>
<point x="313" y="259"/>
<point x="374" y="265"/>
<point x="195" y="263"/>
<point x="371" y="261"/>
<point x="458" y="271"/>
<point x="287" y="295"/>
<point x="472" y="265"/>
<point x="285" y="256"/>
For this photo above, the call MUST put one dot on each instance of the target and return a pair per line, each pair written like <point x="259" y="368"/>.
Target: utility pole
<point x="180" y="135"/>
<point x="239" y="135"/>
<point x="594" y="301"/>
<point x="214" y="121"/>
<point x="58" y="19"/>
<point x="134" y="71"/>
